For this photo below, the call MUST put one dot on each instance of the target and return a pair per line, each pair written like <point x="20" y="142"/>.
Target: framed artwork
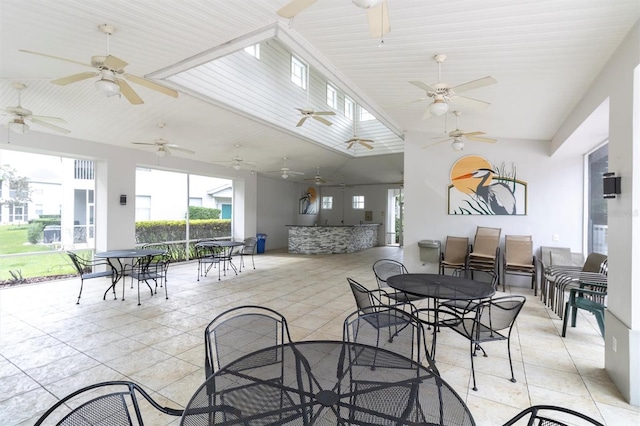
<point x="309" y="202"/>
<point x="478" y="188"/>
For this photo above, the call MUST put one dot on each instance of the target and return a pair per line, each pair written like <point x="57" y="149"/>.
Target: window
<point x="253" y="50"/>
<point x="143" y="207"/>
<point x="298" y="72"/>
<point x="349" y="106"/>
<point x="597" y="222"/>
<point x="327" y="203"/>
<point x="358" y="202"/>
<point x="332" y="96"/>
<point x="195" y="201"/>
<point x="365" y="115"/>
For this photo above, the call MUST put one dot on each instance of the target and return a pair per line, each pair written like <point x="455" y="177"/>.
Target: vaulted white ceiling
<point x="544" y="54"/>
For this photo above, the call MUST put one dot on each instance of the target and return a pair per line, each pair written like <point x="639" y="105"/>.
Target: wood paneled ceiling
<point x="544" y="54"/>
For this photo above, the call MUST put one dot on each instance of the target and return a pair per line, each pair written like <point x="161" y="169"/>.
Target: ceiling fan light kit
<point x="439" y="106"/>
<point x="457" y="145"/>
<point x="106" y="85"/>
<point x="366" y="4"/>
<point x="18" y="125"/>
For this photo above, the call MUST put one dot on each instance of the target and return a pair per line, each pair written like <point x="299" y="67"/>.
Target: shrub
<point x="34" y="232"/>
<point x="203" y="213"/>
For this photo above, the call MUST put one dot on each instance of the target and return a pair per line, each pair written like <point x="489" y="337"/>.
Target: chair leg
<point x="80" y="294"/>
<point x="565" y="320"/>
<point x="600" y="319"/>
<point x="473" y="371"/>
<point x="513" y="378"/>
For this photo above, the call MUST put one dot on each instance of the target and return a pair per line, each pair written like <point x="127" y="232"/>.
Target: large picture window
<point x="597" y="163"/>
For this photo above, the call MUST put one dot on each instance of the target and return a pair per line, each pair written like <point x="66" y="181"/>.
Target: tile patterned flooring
<point x="49" y="346"/>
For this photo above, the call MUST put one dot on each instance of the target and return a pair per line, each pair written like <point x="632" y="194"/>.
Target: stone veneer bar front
<point x="332" y="239"/>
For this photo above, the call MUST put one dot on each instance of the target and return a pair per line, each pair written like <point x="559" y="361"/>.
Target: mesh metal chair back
<point x="385" y="268"/>
<point x="366" y="301"/>
<point x="107" y="403"/>
<point x="242" y="330"/>
<point x="551" y="415"/>
<point x="392" y="329"/>
<point x="493" y="320"/>
<point x="88" y="269"/>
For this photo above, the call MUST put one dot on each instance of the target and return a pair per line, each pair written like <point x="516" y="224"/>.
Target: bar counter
<point x="332" y="239"/>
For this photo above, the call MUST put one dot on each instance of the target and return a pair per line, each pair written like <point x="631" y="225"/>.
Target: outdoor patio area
<point x="49" y="346"/>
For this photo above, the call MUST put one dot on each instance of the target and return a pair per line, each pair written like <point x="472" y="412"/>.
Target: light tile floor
<point x="49" y="346"/>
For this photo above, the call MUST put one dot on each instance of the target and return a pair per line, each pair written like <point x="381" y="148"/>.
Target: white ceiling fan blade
<point x="351" y="144"/>
<point x="365" y="144"/>
<point x="151" y="85"/>
<point x="179" y="148"/>
<point x="74" y="78"/>
<point x="129" y="93"/>
<point x="302" y="120"/>
<point x="165" y="149"/>
<point x="57" y="57"/>
<point x="470" y="102"/>
<point x="294" y="7"/>
<point x="144" y="143"/>
<point x="49" y="125"/>
<point x="322" y="120"/>
<point x="481" y="139"/>
<point x="291" y="172"/>
<point x="468" y="134"/>
<point x="436" y="143"/>
<point x="422" y="85"/>
<point x="44" y="117"/>
<point x="379" y="20"/>
<point x="114" y="63"/>
<point x="324" y="113"/>
<point x="475" y="84"/>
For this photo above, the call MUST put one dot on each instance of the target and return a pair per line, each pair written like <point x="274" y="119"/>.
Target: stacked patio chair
<point x="590" y="297"/>
<point x="519" y="259"/>
<point x="562" y="279"/>
<point x="485" y="254"/>
<point x="455" y="255"/>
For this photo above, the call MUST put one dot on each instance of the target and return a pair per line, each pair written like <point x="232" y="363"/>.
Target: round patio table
<point x="325" y="382"/>
<point x="114" y="257"/>
<point x="441" y="288"/>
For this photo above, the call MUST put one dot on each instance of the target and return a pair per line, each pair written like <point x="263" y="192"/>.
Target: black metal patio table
<point x="441" y="288"/>
<point x="115" y="259"/>
<point x="226" y="248"/>
<point x="325" y="382"/>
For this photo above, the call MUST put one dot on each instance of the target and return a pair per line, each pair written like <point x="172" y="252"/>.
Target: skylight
<point x="229" y="77"/>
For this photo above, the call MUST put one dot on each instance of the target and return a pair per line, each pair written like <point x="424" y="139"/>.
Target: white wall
<point x="277" y="206"/>
<point x="619" y="82"/>
<point x="554" y="195"/>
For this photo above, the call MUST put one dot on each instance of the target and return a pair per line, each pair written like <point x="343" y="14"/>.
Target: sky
<point x="34" y="166"/>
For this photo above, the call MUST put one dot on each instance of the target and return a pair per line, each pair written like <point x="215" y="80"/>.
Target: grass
<point x="49" y="262"/>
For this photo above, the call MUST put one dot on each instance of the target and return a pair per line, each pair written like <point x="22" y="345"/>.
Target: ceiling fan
<point x="237" y="162"/>
<point x="354" y="140"/>
<point x="110" y="69"/>
<point x="163" y="147"/>
<point x="443" y="93"/>
<point x="317" y="115"/>
<point x="285" y="172"/>
<point x="457" y="137"/>
<point x="377" y="13"/>
<point x="319" y="180"/>
<point x="21" y="116"/>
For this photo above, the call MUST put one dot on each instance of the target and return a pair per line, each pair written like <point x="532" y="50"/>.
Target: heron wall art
<point x="479" y="188"/>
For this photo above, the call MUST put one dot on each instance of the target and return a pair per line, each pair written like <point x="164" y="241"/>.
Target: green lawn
<point x="13" y="240"/>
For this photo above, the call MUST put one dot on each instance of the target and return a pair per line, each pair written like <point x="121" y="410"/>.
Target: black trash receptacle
<point x="262" y="241"/>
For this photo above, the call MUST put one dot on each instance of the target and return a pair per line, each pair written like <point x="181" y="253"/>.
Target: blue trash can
<point x="262" y="241"/>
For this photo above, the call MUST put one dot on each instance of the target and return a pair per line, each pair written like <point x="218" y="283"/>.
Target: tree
<point x="18" y="187"/>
